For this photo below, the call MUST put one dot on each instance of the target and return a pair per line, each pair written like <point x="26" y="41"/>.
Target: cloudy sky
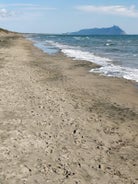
<point x="59" y="16"/>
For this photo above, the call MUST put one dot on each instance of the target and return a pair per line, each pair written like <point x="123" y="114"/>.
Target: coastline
<point x="114" y="59"/>
<point x="60" y="123"/>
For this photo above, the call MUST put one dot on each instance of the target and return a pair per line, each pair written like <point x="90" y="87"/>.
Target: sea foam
<point x="107" y="68"/>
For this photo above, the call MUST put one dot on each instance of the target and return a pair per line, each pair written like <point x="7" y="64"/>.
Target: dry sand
<point x="60" y="124"/>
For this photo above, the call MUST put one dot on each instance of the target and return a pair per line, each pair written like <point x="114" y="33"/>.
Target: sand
<point x="60" y="124"/>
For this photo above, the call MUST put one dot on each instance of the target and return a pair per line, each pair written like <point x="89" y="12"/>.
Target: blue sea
<point x="117" y="55"/>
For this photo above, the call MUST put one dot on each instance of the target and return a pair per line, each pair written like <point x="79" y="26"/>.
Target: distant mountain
<point x="114" y="30"/>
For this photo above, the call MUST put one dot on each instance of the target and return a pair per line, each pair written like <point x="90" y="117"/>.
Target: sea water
<point x="116" y="55"/>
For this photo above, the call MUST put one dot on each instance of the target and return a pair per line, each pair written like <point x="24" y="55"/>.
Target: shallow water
<point x="117" y="55"/>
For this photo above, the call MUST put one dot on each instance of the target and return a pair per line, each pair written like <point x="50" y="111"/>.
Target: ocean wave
<point x="80" y="38"/>
<point x="77" y="54"/>
<point x="107" y="68"/>
<point x="46" y="47"/>
<point x="117" y="71"/>
<point x="109" y="44"/>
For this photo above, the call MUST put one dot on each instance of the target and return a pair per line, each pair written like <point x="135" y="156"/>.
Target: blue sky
<point x="60" y="16"/>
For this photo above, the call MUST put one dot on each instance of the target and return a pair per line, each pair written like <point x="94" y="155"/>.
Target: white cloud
<point x="18" y="10"/>
<point x="115" y="10"/>
<point x="4" y="13"/>
<point x="27" y="6"/>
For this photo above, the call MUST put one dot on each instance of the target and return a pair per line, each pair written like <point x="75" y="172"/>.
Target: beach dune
<point x="61" y="124"/>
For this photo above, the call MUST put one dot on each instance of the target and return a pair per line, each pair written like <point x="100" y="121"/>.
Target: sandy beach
<point x="61" y="124"/>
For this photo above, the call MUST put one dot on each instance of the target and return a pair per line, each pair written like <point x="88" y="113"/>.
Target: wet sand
<point x="60" y="123"/>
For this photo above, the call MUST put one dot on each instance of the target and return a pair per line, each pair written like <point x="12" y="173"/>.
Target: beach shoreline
<point x="116" y="57"/>
<point x="59" y="123"/>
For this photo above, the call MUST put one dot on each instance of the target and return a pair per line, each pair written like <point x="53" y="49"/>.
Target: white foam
<point x="81" y="38"/>
<point x="77" y="54"/>
<point x="118" y="71"/>
<point x="107" y="44"/>
<point x="50" y="42"/>
<point x="81" y="55"/>
<point x="107" y="67"/>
